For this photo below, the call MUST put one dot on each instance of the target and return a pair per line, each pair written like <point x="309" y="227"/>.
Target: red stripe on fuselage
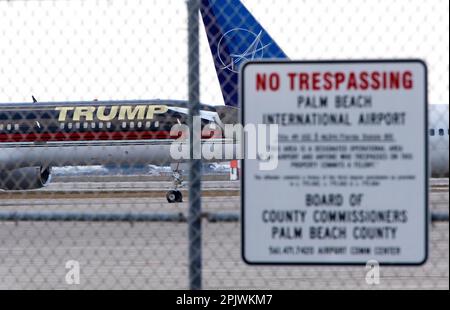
<point x="90" y="136"/>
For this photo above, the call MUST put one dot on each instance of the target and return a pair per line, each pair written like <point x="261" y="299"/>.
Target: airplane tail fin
<point x="234" y="36"/>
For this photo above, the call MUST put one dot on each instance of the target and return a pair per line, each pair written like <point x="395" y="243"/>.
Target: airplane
<point x="37" y="136"/>
<point x="34" y="137"/>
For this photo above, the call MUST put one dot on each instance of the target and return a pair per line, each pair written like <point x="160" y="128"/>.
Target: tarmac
<point x="153" y="255"/>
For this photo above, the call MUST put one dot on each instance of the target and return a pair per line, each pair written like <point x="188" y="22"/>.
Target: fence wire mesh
<point x="103" y="219"/>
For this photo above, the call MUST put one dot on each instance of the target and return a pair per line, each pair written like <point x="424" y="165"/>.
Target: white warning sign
<point x="350" y="182"/>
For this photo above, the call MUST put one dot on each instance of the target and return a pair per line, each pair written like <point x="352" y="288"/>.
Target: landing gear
<point x="174" y="195"/>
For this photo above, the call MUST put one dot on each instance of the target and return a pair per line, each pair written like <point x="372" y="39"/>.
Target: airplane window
<point x="77" y="125"/>
<point x="108" y="125"/>
<point x="431" y="132"/>
<point x="92" y="125"/>
<point x="16" y="127"/>
<point x="147" y="124"/>
<point x="124" y="125"/>
<point x="85" y="125"/>
<point x="1" y="126"/>
<point x="441" y="131"/>
<point x="69" y="125"/>
<point x="8" y="127"/>
<point x="131" y="124"/>
<point x="156" y="124"/>
<point x="61" y="126"/>
<point x="139" y="124"/>
<point x="100" y="125"/>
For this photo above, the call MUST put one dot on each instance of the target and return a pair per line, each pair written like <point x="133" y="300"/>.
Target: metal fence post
<point x="194" y="215"/>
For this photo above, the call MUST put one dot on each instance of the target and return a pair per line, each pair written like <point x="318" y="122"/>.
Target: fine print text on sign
<point x="351" y="180"/>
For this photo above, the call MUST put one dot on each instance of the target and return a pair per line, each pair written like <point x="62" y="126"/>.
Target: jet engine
<point x="25" y="178"/>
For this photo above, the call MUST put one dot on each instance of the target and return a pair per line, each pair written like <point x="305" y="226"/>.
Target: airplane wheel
<point x="179" y="196"/>
<point x="172" y="196"/>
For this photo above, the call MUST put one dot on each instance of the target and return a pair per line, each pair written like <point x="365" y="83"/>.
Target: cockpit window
<point x="431" y="132"/>
<point x="441" y="132"/>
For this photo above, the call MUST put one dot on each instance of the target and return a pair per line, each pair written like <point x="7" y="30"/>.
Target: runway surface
<point x="122" y="255"/>
<point x="139" y="189"/>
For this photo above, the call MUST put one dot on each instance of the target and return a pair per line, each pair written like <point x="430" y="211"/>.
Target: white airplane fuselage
<point x="438" y="145"/>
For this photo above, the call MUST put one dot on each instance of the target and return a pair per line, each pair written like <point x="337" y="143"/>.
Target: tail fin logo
<point x="231" y="59"/>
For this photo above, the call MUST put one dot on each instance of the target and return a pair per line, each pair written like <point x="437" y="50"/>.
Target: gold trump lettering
<point x="109" y="117"/>
<point x="86" y="112"/>
<point x="63" y="112"/>
<point x="124" y="112"/>
<point x="130" y="112"/>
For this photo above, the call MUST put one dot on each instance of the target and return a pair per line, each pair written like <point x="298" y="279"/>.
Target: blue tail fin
<point x="234" y="35"/>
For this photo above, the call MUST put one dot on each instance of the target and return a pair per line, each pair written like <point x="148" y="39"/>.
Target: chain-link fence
<point x="91" y="195"/>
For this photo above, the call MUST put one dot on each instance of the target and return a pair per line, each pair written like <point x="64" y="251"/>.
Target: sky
<point x="137" y="49"/>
